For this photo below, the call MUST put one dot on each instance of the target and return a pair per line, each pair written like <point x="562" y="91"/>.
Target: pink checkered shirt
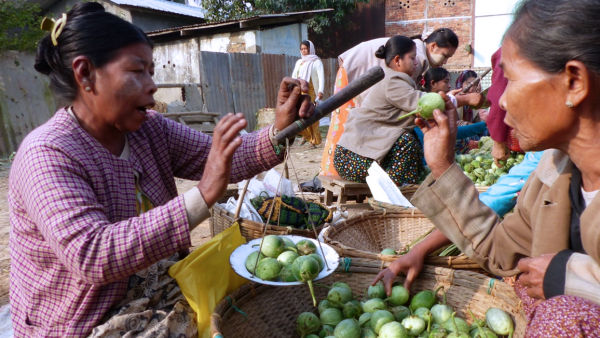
<point x="75" y="238"/>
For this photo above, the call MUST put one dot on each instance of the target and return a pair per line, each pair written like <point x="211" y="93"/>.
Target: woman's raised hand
<point x="225" y="141"/>
<point x="439" y="137"/>
<point x="292" y="102"/>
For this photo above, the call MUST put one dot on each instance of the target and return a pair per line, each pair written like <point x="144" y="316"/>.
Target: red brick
<point x="438" y="13"/>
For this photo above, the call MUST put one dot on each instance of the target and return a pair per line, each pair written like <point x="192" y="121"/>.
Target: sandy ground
<point x="305" y="159"/>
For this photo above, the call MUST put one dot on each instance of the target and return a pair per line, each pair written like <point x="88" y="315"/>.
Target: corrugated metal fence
<point x="245" y="83"/>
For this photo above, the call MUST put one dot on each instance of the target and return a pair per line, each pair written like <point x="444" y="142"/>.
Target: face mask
<point x="436" y="60"/>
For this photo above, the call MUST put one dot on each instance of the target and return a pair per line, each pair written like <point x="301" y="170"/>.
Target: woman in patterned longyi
<point x="373" y="132"/>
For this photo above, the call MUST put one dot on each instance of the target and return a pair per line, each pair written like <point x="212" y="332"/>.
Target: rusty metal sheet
<point x="216" y="84"/>
<point x="247" y="87"/>
<point x="274" y="69"/>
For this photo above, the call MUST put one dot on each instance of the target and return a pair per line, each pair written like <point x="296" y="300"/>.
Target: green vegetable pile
<point x="280" y="259"/>
<point x="397" y="316"/>
<point x="479" y="164"/>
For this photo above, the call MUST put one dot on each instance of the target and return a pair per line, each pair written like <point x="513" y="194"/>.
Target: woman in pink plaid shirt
<point x="95" y="216"/>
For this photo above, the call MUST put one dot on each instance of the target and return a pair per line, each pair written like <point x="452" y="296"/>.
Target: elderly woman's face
<point x="534" y="105"/>
<point x="125" y="88"/>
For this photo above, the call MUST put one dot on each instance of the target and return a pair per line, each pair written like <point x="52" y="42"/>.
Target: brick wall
<point x="412" y="17"/>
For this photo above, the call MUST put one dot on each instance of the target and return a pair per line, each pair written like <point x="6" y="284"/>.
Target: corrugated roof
<point x="164" y="6"/>
<point x="238" y="24"/>
<point x="157" y="5"/>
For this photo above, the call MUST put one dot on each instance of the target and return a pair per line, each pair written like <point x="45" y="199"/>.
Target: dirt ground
<point x="304" y="158"/>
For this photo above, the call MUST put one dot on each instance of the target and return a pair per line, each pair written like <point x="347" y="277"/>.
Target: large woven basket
<point x="222" y="219"/>
<point x="366" y="235"/>
<point x="266" y="311"/>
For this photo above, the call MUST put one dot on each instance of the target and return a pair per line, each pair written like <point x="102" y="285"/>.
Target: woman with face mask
<point x="434" y="50"/>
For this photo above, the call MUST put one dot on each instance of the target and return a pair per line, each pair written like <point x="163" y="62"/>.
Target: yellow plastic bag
<point x="205" y="275"/>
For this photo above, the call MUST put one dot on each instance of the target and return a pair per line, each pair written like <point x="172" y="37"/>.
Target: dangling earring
<point x="569" y="104"/>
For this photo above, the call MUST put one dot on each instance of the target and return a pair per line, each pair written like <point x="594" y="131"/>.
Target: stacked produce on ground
<point x="479" y="164"/>
<point x="280" y="259"/>
<point x="340" y="315"/>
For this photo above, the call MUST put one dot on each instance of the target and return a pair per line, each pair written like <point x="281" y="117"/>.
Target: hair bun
<point x="83" y="8"/>
<point x="44" y="51"/>
<point x="380" y="53"/>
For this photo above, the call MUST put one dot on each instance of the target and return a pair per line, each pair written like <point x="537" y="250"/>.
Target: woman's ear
<point x="578" y="82"/>
<point x="83" y="71"/>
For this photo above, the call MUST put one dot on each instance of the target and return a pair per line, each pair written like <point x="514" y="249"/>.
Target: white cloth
<point x="310" y="67"/>
<point x="588" y="196"/>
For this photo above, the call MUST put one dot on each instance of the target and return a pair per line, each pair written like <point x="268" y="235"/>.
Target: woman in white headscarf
<point x="310" y="69"/>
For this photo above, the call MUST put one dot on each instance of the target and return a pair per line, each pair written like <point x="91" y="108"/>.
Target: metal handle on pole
<point x="371" y="77"/>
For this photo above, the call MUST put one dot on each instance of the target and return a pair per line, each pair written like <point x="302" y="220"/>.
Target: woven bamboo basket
<point x="364" y="236"/>
<point x="272" y="311"/>
<point x="408" y="190"/>
<point x="222" y="219"/>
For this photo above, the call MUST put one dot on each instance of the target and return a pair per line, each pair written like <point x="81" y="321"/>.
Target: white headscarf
<point x="305" y="70"/>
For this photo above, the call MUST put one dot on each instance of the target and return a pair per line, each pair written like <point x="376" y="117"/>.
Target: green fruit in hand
<point x="426" y="105"/>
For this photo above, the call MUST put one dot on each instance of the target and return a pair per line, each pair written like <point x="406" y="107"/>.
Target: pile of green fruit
<point x="479" y="164"/>
<point x="397" y="316"/>
<point x="280" y="259"/>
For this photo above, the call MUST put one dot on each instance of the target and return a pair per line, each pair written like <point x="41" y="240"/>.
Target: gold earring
<point x="569" y="104"/>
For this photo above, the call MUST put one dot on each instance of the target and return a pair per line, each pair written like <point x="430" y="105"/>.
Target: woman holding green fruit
<point x="374" y="132"/>
<point x="552" y="239"/>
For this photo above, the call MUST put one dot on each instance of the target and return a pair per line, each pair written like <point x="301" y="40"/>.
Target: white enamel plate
<point x="239" y="255"/>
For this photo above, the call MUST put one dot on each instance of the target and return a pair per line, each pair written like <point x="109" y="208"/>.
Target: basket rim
<point x="243" y="221"/>
<point x="460" y="261"/>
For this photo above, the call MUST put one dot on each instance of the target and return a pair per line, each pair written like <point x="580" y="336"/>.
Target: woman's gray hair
<point x="549" y="33"/>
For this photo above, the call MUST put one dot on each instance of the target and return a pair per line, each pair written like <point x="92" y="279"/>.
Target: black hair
<point x="396" y="45"/>
<point x="434" y="75"/>
<point x="443" y="37"/>
<point x="466" y="74"/>
<point x="549" y="33"/>
<point x="306" y="43"/>
<point x="89" y="31"/>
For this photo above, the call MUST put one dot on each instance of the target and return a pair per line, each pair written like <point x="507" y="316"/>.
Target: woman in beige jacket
<point x="373" y="132"/>
<point x="552" y="239"/>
